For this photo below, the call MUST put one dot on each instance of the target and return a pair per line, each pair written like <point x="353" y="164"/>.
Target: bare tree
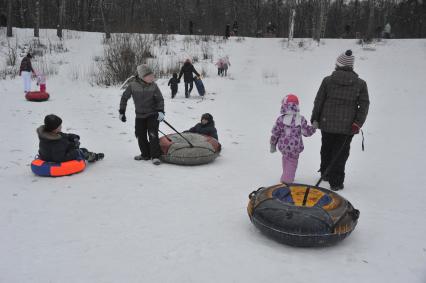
<point x="84" y="14"/>
<point x="61" y="14"/>
<point x="370" y="28"/>
<point x="291" y="24"/>
<point x="22" y="13"/>
<point x="37" y="18"/>
<point x="320" y="19"/>
<point x="9" y="18"/>
<point x="104" y="19"/>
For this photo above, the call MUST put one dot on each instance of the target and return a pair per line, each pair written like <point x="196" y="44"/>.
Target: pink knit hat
<point x="291" y="98"/>
<point x="345" y="59"/>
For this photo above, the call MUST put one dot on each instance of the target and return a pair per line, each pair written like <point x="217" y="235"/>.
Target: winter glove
<point x="273" y="148"/>
<point x="76" y="143"/>
<point x="122" y="116"/>
<point x="315" y="125"/>
<point x="355" y="128"/>
<point x="161" y="116"/>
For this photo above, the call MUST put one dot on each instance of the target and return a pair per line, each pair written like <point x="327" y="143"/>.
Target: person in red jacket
<point x="25" y="71"/>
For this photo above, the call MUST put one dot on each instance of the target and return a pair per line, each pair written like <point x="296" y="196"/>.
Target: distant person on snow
<point x="387" y="31"/>
<point x="149" y="108"/>
<point x="56" y="146"/>
<point x="187" y="70"/>
<point x="340" y="109"/>
<point x="227" y="31"/>
<point x="226" y="65"/>
<point x="173" y="83"/>
<point x="235" y="28"/>
<point x="287" y="133"/>
<point x="205" y="127"/>
<point x="25" y="71"/>
<point x="219" y="65"/>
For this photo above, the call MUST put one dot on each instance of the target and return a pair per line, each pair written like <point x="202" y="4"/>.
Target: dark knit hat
<point x="345" y="59"/>
<point x="207" y="116"/>
<point x="52" y="122"/>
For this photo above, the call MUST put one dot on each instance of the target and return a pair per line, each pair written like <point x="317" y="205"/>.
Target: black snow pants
<point x="148" y="128"/>
<point x="190" y="85"/>
<point x="330" y="147"/>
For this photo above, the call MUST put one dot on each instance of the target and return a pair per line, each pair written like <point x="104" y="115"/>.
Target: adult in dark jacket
<point x="227" y="31"/>
<point x="205" y="127"/>
<point x="149" y="108"/>
<point x="235" y="28"/>
<point x="340" y="110"/>
<point x="56" y="146"/>
<point x="25" y="71"/>
<point x="187" y="70"/>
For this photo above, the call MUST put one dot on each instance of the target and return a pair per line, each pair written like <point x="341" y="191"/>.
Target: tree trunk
<point x="104" y="20"/>
<point x="37" y="18"/>
<point x="9" y="18"/>
<point x="291" y="25"/>
<point x="84" y="15"/>
<point x="370" y="30"/>
<point x="61" y="18"/>
<point x="22" y="13"/>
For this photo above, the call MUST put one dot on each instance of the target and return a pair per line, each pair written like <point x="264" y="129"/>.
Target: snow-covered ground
<point x="126" y="221"/>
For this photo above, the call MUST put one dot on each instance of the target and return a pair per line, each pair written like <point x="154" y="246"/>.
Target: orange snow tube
<point x="37" y="96"/>
<point x="53" y="169"/>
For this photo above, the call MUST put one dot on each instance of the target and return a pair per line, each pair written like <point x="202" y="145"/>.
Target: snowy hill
<point x="126" y="221"/>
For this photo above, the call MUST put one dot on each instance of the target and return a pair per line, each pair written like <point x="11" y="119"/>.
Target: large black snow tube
<point x="176" y="150"/>
<point x="302" y="215"/>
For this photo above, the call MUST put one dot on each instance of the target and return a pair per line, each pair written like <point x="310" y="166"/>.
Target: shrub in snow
<point x="12" y="53"/>
<point x="8" y="71"/>
<point x="45" y="66"/>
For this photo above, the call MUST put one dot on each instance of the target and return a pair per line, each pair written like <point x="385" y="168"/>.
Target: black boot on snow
<point x="99" y="156"/>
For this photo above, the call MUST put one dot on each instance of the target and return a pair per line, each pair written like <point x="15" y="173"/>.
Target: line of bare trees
<point x="313" y="18"/>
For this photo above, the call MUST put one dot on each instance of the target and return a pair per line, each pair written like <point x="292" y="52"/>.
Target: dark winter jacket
<point x="57" y="147"/>
<point x="208" y="129"/>
<point x="26" y="65"/>
<point x="147" y="98"/>
<point x="342" y="99"/>
<point x="187" y="70"/>
<point x="173" y="83"/>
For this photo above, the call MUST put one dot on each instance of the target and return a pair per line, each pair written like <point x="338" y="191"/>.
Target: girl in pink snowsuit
<point x="287" y="134"/>
<point x="41" y="81"/>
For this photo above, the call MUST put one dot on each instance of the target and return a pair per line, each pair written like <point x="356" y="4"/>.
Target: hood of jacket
<point x="43" y="134"/>
<point x="209" y="118"/>
<point x="344" y="76"/>
<point x="289" y="108"/>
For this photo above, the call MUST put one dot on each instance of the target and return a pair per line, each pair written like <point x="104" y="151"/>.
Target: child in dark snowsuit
<point x="206" y="127"/>
<point x="173" y="83"/>
<point x="56" y="146"/>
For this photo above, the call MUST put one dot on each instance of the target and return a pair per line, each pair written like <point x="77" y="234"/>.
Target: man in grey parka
<point x="149" y="108"/>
